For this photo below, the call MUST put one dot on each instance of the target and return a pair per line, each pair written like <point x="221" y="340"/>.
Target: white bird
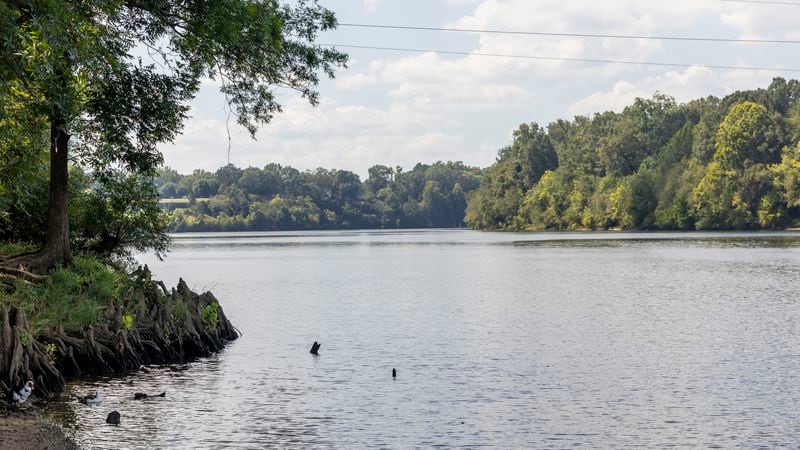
<point x="20" y="394"/>
<point x="91" y="400"/>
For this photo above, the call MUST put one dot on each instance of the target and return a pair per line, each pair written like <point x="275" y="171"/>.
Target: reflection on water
<point x="499" y="339"/>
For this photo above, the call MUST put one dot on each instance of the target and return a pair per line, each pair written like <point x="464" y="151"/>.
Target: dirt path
<point x="26" y="430"/>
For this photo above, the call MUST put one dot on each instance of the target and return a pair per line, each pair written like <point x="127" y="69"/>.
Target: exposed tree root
<point x="34" y="264"/>
<point x="23" y="274"/>
<point x="169" y="327"/>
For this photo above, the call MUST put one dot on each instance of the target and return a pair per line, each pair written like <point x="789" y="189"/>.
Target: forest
<point x="708" y="164"/>
<point x="283" y="198"/>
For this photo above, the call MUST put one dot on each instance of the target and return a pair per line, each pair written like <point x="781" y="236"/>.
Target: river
<point x="503" y="340"/>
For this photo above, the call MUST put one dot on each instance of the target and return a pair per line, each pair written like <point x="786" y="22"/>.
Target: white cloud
<point x="370" y="6"/>
<point x="764" y="21"/>
<point x="355" y="82"/>
<point x="429" y="106"/>
<point x="478" y="83"/>
<point x="353" y="137"/>
<point x="692" y="83"/>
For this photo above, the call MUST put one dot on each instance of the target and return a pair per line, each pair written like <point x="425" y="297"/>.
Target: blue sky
<point x="399" y="108"/>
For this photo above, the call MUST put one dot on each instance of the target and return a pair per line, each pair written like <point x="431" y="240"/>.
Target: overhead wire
<point x="565" y="59"/>
<point x="581" y="35"/>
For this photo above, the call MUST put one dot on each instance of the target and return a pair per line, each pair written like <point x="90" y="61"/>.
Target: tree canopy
<point x="282" y="198"/>
<point x="69" y="74"/>
<point x="712" y="163"/>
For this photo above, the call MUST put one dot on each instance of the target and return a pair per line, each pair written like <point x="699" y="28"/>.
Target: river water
<point x="499" y="339"/>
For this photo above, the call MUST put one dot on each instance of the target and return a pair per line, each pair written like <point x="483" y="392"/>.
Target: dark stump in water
<point x="113" y="418"/>
<point x="315" y="348"/>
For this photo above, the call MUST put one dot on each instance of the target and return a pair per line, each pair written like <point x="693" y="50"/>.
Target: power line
<point x="583" y="35"/>
<point x="553" y="58"/>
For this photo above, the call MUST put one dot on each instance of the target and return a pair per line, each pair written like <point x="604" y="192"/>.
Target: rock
<point x="113" y="418"/>
<point x="315" y="348"/>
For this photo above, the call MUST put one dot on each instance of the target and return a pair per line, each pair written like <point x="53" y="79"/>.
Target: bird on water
<point x="92" y="399"/>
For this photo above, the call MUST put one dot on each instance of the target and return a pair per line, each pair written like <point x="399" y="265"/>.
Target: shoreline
<point x="28" y="429"/>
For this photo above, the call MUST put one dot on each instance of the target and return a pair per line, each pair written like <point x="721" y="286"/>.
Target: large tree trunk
<point x="56" y="244"/>
<point x="56" y="249"/>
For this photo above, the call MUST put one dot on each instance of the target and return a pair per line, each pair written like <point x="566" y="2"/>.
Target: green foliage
<point x="519" y="167"/>
<point x="24" y="337"/>
<point x="15" y="248"/>
<point x="180" y="311"/>
<point x="65" y="68"/>
<point x="211" y="314"/>
<point x="74" y="297"/>
<point x="116" y="215"/>
<point x="50" y="351"/>
<point x="742" y="136"/>
<point x="727" y="163"/>
<point x="282" y="198"/>
<point x="127" y="321"/>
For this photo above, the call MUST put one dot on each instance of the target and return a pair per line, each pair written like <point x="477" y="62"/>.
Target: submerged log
<point x="170" y="327"/>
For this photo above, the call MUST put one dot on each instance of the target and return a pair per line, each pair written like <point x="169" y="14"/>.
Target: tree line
<point x="708" y="164"/>
<point x="278" y="197"/>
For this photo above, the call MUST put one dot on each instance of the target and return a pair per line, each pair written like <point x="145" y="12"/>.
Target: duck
<point x="91" y="400"/>
<point x="21" y="393"/>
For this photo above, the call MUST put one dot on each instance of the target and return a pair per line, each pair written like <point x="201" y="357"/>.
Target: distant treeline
<point x="709" y="164"/>
<point x="730" y="163"/>
<point x="283" y="198"/>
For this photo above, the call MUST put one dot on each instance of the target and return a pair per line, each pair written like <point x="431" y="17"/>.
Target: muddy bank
<point x="149" y="324"/>
<point x="27" y="430"/>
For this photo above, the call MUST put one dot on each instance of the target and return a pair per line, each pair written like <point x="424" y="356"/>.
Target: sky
<point x="401" y="108"/>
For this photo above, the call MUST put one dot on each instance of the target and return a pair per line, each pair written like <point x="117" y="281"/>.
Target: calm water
<point x="499" y="339"/>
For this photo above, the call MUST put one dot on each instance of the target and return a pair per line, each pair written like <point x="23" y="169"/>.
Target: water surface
<point x="499" y="339"/>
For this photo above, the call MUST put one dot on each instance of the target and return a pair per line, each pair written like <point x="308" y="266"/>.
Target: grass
<point x="75" y="297"/>
<point x="15" y="248"/>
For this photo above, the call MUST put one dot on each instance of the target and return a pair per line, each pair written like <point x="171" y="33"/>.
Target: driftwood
<point x="169" y="327"/>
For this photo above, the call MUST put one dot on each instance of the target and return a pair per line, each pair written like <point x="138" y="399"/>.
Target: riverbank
<point x="91" y="318"/>
<point x="28" y="430"/>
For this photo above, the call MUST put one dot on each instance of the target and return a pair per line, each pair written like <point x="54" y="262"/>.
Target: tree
<point x="741" y="137"/>
<point x="118" y="215"/>
<point x="255" y="182"/>
<point x="379" y="177"/>
<point x="67" y="65"/>
<point x="228" y="175"/>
